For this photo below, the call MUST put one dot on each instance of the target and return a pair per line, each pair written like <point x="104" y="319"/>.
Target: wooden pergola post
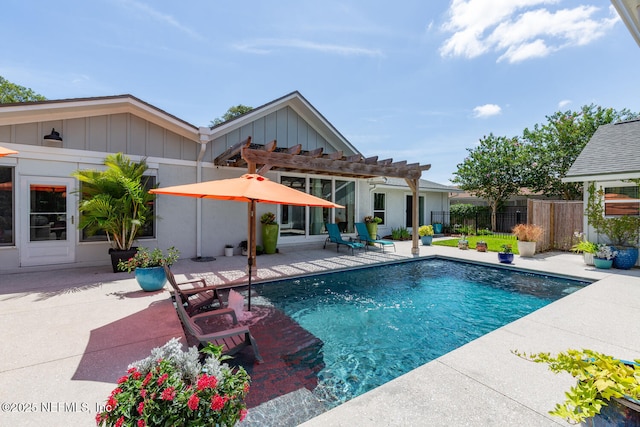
<point x="414" y="185"/>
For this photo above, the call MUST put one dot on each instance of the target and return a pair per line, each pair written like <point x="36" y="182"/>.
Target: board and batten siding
<point x="113" y="133"/>
<point x="285" y="126"/>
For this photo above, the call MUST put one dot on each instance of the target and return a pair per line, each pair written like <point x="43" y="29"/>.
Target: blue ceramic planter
<point x="437" y="228"/>
<point x="151" y="278"/>
<point x="505" y="258"/>
<point x="426" y="240"/>
<point x="626" y="258"/>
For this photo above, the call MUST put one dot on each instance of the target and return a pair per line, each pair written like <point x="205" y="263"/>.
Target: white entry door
<point x="48" y="231"/>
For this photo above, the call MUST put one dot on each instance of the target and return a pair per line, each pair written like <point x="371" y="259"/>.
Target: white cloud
<point x="564" y="103"/>
<point x="486" y="110"/>
<point x="264" y="46"/>
<point x="161" y="17"/>
<point x="520" y="29"/>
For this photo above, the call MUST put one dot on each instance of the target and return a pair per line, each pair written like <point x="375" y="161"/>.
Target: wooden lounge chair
<point x="194" y="294"/>
<point x="336" y="237"/>
<point x="233" y="340"/>
<point x="363" y="236"/>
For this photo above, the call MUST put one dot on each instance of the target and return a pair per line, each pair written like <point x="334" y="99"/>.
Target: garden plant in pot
<point x="604" y="256"/>
<point x="269" y="232"/>
<point x="622" y="231"/>
<point x="372" y="226"/>
<point x="527" y="235"/>
<point x="115" y="201"/>
<point x="463" y="242"/>
<point x="585" y="247"/>
<point x="149" y="266"/>
<point x="505" y="256"/>
<point x="426" y="234"/>
<point x="607" y="391"/>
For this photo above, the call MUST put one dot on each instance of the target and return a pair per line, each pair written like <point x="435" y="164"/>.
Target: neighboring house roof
<point x="628" y="11"/>
<point x="613" y="152"/>
<point x="424" y="185"/>
<point x="61" y="109"/>
<point x="302" y="107"/>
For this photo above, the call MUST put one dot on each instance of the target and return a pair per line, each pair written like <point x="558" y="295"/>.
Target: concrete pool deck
<point x="68" y="334"/>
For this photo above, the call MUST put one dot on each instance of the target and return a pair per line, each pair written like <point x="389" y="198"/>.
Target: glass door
<point x="48" y="235"/>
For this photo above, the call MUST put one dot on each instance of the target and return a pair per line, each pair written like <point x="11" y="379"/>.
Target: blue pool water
<point x="381" y="322"/>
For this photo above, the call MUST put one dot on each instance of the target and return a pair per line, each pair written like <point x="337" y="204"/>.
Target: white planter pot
<point x="526" y="249"/>
<point x="228" y="251"/>
<point x="588" y="258"/>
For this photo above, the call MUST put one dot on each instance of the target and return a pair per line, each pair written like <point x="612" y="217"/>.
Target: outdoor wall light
<point x="53" y="136"/>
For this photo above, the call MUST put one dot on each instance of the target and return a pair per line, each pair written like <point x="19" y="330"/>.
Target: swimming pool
<point x="378" y="323"/>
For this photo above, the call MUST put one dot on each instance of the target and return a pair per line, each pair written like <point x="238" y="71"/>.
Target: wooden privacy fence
<point x="559" y="219"/>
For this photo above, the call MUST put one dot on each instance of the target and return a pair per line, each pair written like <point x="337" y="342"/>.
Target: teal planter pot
<point x="602" y="263"/>
<point x="437" y="228"/>
<point x="151" y="278"/>
<point x="626" y="258"/>
<point x="270" y="238"/>
<point x="426" y="240"/>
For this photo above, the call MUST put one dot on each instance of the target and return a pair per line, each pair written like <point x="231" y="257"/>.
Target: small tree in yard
<point x="492" y="171"/>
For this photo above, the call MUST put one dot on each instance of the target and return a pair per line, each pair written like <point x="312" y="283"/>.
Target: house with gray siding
<point x="39" y="203"/>
<point x="611" y="161"/>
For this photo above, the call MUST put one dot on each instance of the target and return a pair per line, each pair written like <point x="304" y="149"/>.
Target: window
<point x="300" y="220"/>
<point x="147" y="232"/>
<point x="6" y="206"/>
<point x="379" y="206"/>
<point x="622" y="201"/>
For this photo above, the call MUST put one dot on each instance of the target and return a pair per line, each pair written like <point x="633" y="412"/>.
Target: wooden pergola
<point x="263" y="158"/>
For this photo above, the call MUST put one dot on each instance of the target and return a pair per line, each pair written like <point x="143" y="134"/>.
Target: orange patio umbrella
<point x="250" y="188"/>
<point x="6" y="151"/>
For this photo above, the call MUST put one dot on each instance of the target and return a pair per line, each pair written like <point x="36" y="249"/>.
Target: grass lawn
<point x="494" y="243"/>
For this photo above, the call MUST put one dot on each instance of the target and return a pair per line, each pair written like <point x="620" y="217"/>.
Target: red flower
<point x="146" y="379"/>
<point x="98" y="418"/>
<point x="122" y="379"/>
<point x="141" y="408"/>
<point x="217" y="402"/>
<point x="119" y="422"/>
<point x="111" y="403"/>
<point x="205" y="381"/>
<point x="131" y="370"/>
<point x="136" y="375"/>
<point x="162" y="378"/>
<point x="143" y="393"/>
<point x="141" y="423"/>
<point x="193" y="401"/>
<point x="168" y="393"/>
<point x="116" y="391"/>
<point x="243" y="414"/>
<point x="246" y="387"/>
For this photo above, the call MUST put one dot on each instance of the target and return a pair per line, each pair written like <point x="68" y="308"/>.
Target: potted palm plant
<point x="115" y="201"/>
<point x="527" y="235"/>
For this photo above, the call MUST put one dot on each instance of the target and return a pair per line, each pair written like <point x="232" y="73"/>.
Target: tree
<point x="231" y="113"/>
<point x="553" y="147"/>
<point x="11" y="92"/>
<point x="492" y="171"/>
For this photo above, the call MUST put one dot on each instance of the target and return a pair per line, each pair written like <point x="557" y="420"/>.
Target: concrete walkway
<point x="68" y="334"/>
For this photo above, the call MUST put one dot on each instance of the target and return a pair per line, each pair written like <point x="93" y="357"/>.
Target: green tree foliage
<point x="11" y="92"/>
<point x="492" y="171"/>
<point x="231" y="113"/>
<point x="553" y="147"/>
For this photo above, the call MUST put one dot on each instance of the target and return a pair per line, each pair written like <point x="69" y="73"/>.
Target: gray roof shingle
<point x="614" y="148"/>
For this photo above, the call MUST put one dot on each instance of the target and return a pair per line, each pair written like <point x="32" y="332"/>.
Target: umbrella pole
<point x="252" y="243"/>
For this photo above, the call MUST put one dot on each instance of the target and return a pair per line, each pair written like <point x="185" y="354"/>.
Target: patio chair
<point x="232" y="340"/>
<point x="336" y="237"/>
<point x="195" y="295"/>
<point x="363" y="236"/>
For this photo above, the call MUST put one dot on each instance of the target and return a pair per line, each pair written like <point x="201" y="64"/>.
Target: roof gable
<point x="613" y="149"/>
<point x="64" y="109"/>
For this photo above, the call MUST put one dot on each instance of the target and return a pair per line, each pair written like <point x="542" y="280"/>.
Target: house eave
<point x="628" y="11"/>
<point x="620" y="176"/>
<point x="44" y="111"/>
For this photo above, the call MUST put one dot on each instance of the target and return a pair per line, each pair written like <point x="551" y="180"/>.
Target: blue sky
<point x="412" y="80"/>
